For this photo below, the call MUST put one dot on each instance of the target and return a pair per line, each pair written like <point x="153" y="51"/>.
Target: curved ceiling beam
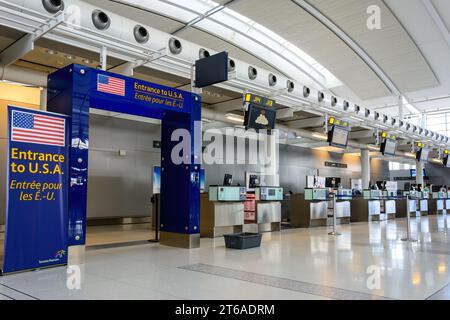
<point x="354" y="46"/>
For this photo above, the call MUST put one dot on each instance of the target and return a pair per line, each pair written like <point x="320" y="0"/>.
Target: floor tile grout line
<point x="25" y="294"/>
<point x="11" y="298"/>
<point x="438" y="291"/>
<point x="188" y="267"/>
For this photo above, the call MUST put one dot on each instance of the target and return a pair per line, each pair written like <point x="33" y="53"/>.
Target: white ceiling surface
<point x="390" y="47"/>
<point x="289" y="20"/>
<point x="419" y="24"/>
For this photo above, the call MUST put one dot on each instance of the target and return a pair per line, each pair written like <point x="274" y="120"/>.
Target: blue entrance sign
<point x="36" y="216"/>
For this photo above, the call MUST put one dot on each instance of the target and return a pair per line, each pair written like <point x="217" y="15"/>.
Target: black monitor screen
<point x="388" y="147"/>
<point x="446" y="162"/>
<point x="211" y="70"/>
<point x="338" y="137"/>
<point x="422" y="155"/>
<point x="332" y="182"/>
<point x="260" y="118"/>
<point x="228" y="180"/>
<point x="254" y="181"/>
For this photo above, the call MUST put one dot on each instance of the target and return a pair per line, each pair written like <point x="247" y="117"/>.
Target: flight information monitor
<point x="422" y="155"/>
<point x="260" y="113"/>
<point x="338" y="137"/>
<point x="388" y="147"/>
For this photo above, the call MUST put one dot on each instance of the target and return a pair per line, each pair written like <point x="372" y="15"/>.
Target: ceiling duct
<point x="141" y="34"/>
<point x="290" y="86"/>
<point x="231" y="65"/>
<point x="252" y="73"/>
<point x="320" y="96"/>
<point x="272" y="80"/>
<point x="306" y="92"/>
<point x="100" y="20"/>
<point x="53" y="6"/>
<point x="346" y="105"/>
<point x="333" y="101"/>
<point x="175" y="46"/>
<point x="203" y="53"/>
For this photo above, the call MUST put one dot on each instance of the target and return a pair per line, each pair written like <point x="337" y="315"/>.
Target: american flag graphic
<point x="111" y="85"/>
<point x="36" y="128"/>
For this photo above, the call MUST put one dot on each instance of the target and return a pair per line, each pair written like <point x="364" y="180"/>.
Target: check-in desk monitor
<point x="316" y="194"/>
<point x="269" y="194"/>
<point x="227" y="193"/>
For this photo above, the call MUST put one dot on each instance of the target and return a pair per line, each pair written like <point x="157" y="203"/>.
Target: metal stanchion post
<point x="334" y="233"/>
<point x="408" y="222"/>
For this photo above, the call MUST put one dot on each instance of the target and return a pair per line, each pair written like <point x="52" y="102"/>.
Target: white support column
<point x="365" y="168"/>
<point x="104" y="58"/>
<point x="419" y="173"/>
<point x="43" y="100"/>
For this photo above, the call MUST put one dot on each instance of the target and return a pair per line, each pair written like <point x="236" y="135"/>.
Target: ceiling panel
<point x="390" y="47"/>
<point x="139" y="15"/>
<point x="205" y="39"/>
<point x="297" y="26"/>
<point x="8" y="36"/>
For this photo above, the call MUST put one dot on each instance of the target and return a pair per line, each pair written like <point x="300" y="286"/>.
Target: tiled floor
<point x="293" y="264"/>
<point x="100" y="235"/>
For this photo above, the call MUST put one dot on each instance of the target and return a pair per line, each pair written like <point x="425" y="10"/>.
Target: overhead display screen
<point x="211" y="70"/>
<point x="388" y="147"/>
<point x="338" y="137"/>
<point x="423" y="154"/>
<point x="260" y="113"/>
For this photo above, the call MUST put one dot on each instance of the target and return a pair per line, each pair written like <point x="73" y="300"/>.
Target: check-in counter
<point x="367" y="208"/>
<point x="222" y="211"/>
<point x="388" y="205"/>
<point x="418" y="203"/>
<point x="343" y="206"/>
<point x="309" y="209"/>
<point x="268" y="208"/>
<point x="438" y="203"/>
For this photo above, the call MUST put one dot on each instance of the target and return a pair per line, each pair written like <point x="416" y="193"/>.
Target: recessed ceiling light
<point x="49" y="51"/>
<point x="87" y="61"/>
<point x="69" y="57"/>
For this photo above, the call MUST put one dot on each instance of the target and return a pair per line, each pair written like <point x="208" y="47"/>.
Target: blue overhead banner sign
<point x="37" y="206"/>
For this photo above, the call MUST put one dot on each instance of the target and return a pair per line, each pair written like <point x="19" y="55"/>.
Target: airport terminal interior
<point x="225" y="149"/>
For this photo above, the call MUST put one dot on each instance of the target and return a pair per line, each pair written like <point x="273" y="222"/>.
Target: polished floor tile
<point x="367" y="261"/>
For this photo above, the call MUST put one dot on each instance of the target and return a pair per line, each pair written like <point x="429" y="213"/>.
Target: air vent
<point x="231" y="65"/>
<point x="53" y="6"/>
<point x="252" y="73"/>
<point x="100" y="20"/>
<point x="203" y="53"/>
<point x="290" y="86"/>
<point x="306" y="92"/>
<point x="357" y="108"/>
<point x="333" y="101"/>
<point x="175" y="46"/>
<point x="272" y="80"/>
<point x="321" y="96"/>
<point x="346" y="105"/>
<point x="141" y="34"/>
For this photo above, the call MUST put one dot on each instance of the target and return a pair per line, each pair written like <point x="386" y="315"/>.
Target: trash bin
<point x="243" y="240"/>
